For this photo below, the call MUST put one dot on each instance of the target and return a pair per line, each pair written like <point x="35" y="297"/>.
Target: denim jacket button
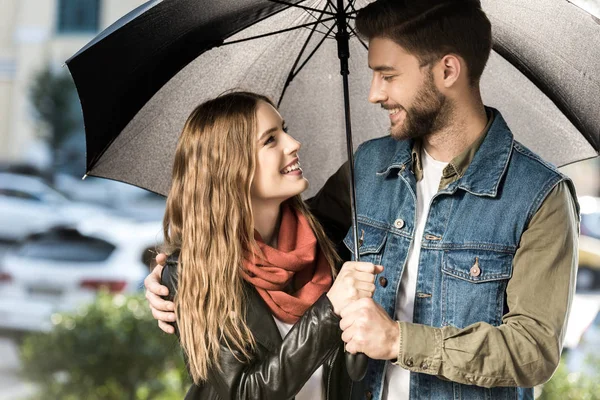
<point x="399" y="223"/>
<point x="475" y="271"/>
<point x="382" y="281"/>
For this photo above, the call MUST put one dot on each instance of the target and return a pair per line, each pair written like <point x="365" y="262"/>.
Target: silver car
<point x="29" y="205"/>
<point x="62" y="268"/>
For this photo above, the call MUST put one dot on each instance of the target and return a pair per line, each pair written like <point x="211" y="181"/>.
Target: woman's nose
<point x="292" y="145"/>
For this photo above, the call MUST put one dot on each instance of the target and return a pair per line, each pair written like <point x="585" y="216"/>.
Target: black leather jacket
<point x="280" y="366"/>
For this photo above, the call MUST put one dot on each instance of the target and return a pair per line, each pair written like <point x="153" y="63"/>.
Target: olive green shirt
<point x="525" y="349"/>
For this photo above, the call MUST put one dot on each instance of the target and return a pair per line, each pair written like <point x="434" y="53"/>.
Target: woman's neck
<point x="267" y="218"/>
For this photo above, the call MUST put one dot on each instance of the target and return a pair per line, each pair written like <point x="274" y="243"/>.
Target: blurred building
<point x="33" y="35"/>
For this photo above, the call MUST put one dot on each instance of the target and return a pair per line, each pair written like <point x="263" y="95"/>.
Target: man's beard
<point x="431" y="111"/>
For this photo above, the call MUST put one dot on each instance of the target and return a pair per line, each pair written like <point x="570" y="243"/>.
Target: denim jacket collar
<point x="483" y="176"/>
<point x="402" y="158"/>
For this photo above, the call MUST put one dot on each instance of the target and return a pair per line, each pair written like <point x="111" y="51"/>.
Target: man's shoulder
<point x="383" y="150"/>
<point x="528" y="173"/>
<point x="517" y="155"/>
<point x="380" y="142"/>
<point x="531" y="161"/>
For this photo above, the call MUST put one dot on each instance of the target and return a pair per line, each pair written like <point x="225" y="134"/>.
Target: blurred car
<point x="584" y="309"/>
<point x="588" y="274"/>
<point x="29" y="205"/>
<point x="585" y="357"/>
<point x="123" y="199"/>
<point x="62" y="268"/>
<point x="98" y="190"/>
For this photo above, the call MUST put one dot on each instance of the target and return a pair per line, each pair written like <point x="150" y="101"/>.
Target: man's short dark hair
<point x="430" y="29"/>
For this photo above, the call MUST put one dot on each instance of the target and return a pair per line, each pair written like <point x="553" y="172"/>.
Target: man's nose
<point x="376" y="93"/>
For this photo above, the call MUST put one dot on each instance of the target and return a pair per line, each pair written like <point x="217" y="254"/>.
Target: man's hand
<point x="162" y="310"/>
<point x="369" y="329"/>
<point x="355" y="281"/>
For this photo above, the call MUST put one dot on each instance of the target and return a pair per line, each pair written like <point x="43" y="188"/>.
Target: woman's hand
<point x="355" y="280"/>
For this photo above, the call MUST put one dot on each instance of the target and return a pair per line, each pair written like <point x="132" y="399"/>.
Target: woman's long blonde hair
<point x="209" y="219"/>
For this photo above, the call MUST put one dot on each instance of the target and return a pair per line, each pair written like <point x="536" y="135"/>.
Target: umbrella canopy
<point x="140" y="78"/>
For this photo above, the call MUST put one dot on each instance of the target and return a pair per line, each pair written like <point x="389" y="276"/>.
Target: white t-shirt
<point x="397" y="379"/>
<point x="313" y="388"/>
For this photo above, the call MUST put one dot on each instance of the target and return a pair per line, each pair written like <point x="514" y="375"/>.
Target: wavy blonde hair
<point x="209" y="219"/>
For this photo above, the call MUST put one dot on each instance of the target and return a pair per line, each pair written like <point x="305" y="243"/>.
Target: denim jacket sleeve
<point x="525" y="349"/>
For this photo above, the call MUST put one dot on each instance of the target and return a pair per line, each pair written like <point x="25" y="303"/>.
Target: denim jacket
<point x="478" y="220"/>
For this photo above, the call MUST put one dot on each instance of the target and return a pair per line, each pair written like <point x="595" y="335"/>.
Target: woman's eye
<point x="270" y="140"/>
<point x="285" y="129"/>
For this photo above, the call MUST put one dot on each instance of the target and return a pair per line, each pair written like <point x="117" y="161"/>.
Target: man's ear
<point x="452" y="69"/>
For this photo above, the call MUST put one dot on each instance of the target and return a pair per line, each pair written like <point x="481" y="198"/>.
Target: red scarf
<point x="297" y="257"/>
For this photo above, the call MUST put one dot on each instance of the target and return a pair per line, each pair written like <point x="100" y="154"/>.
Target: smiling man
<point x="477" y="234"/>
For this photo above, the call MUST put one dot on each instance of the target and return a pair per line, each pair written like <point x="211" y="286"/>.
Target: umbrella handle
<point x="356" y="364"/>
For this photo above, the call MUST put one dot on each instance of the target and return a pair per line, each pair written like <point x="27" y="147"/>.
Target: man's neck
<point x="465" y="127"/>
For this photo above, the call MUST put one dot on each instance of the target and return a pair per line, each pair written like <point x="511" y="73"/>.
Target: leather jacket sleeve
<point x="282" y="371"/>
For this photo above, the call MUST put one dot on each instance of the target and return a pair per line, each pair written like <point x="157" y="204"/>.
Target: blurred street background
<point x="74" y="253"/>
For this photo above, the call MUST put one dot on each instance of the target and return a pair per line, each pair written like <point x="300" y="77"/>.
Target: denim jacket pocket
<point x="473" y="286"/>
<point x="370" y="245"/>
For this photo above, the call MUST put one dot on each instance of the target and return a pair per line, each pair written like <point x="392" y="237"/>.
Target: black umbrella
<point x="140" y="78"/>
<point x="155" y="41"/>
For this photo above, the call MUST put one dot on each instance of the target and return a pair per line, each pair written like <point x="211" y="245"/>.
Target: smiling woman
<point x="251" y="269"/>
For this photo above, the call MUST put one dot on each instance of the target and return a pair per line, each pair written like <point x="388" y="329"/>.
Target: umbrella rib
<point x="294" y="74"/>
<point x="303" y="7"/>
<point x="291" y="75"/>
<point x="325" y="33"/>
<point x="278" y="32"/>
<point x="354" y="10"/>
<point x="358" y="37"/>
<point x="312" y="53"/>
<point x="348" y="15"/>
<point x="350" y="6"/>
<point x="317" y="19"/>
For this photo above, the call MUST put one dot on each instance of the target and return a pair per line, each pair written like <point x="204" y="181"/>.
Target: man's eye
<point x="270" y="140"/>
<point x="388" y="78"/>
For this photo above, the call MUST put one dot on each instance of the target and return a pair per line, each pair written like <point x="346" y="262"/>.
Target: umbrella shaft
<point x="350" y="150"/>
<point x="343" y="38"/>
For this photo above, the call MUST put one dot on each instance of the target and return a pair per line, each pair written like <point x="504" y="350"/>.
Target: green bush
<point x="111" y="349"/>
<point x="566" y="385"/>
